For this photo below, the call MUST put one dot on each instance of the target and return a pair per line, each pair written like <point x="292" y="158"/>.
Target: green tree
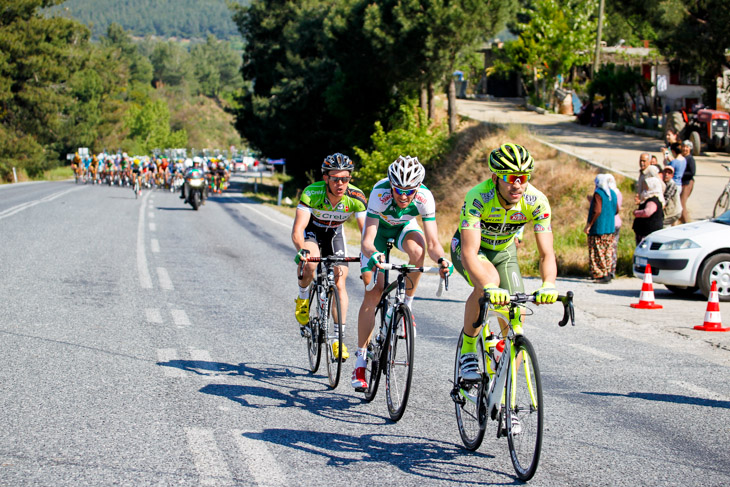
<point x="149" y="127"/>
<point x="553" y="36"/>
<point x="217" y="67"/>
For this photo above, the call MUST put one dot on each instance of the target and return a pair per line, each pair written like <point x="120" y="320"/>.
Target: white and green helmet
<point x="510" y="159"/>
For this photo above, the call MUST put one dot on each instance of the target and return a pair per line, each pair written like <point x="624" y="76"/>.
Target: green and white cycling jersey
<point x="382" y="206"/>
<point x="498" y="225"/>
<point x="314" y="200"/>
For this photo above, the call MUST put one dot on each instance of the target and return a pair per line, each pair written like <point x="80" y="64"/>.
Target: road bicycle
<point x="391" y="347"/>
<point x="136" y="187"/>
<point x="324" y="312"/>
<point x="723" y="202"/>
<point x="512" y="377"/>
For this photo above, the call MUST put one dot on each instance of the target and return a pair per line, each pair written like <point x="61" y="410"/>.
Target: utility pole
<point x="597" y="58"/>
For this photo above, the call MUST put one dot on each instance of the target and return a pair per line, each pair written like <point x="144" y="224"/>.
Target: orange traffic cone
<point x="646" y="298"/>
<point x="712" y="315"/>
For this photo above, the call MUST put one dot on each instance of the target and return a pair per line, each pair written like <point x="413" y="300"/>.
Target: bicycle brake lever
<point x="568" y="310"/>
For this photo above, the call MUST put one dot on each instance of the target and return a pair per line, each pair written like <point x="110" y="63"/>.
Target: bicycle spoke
<point x="334" y="364"/>
<point x="312" y="334"/>
<point x="467" y="399"/>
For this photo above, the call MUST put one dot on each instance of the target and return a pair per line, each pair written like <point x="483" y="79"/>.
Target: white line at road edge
<point x="251" y="207"/>
<point x="209" y="461"/>
<point x="259" y="459"/>
<point x="144" y="274"/>
<point x="24" y="206"/>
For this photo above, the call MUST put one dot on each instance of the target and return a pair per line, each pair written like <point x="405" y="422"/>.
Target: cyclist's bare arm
<point x="301" y="220"/>
<point x="481" y="272"/>
<point x="548" y="264"/>
<point x="361" y="223"/>
<point x="368" y="236"/>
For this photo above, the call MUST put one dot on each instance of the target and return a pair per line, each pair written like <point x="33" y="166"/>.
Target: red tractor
<point x="704" y="126"/>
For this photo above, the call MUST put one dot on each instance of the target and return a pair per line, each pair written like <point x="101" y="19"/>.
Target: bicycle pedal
<point x="361" y="389"/>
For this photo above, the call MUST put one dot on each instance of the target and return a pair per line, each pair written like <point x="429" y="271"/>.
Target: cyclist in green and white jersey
<point x="483" y="247"/>
<point x="323" y="208"/>
<point x="393" y="206"/>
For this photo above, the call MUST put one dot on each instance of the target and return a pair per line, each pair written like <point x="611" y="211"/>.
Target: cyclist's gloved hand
<point x="497" y="295"/>
<point x="376" y="258"/>
<point x="301" y="256"/>
<point x="445" y="263"/>
<point x="547" y="294"/>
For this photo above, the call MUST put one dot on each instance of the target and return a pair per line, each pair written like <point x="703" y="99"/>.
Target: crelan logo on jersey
<point x="326" y="215"/>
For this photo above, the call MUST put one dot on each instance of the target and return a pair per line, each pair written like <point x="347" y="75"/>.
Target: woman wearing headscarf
<point x="617" y="221"/>
<point x="600" y="228"/>
<point x="649" y="217"/>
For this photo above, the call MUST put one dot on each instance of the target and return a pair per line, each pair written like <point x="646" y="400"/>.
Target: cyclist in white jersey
<point x="393" y="206"/>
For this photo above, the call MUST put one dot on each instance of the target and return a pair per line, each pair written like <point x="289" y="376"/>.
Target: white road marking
<point x="180" y="317"/>
<point x="165" y="355"/>
<point x="201" y="359"/>
<point x="596" y="352"/>
<point x="209" y="461"/>
<point x="260" y="461"/>
<point x="164" y="277"/>
<point x="151" y="215"/>
<point x="153" y="315"/>
<point x="251" y="207"/>
<point x="144" y="274"/>
<point x="24" y="206"/>
<point x="153" y="227"/>
<point x="701" y="391"/>
<point x="154" y="245"/>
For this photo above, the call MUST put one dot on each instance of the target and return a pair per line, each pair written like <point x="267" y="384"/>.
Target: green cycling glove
<point x="497" y="295"/>
<point x="374" y="259"/>
<point x="450" y="265"/>
<point x="301" y="255"/>
<point x="547" y="294"/>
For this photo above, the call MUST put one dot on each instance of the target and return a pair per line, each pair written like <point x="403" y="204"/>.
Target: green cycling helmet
<point x="510" y="159"/>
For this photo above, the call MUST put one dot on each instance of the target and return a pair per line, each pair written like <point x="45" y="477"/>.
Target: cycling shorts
<point x="397" y="233"/>
<point x="504" y="260"/>
<point x="331" y="241"/>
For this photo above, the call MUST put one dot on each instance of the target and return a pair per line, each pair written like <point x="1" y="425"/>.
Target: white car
<point x="687" y="257"/>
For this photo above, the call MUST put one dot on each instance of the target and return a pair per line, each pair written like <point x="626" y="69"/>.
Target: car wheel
<point x="682" y="291"/>
<point x="716" y="268"/>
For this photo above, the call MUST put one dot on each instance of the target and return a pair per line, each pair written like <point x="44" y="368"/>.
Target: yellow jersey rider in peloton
<point x="322" y="210"/>
<point x="483" y="248"/>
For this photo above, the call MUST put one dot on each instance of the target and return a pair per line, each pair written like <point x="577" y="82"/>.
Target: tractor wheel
<point x="676" y="122"/>
<point x="694" y="137"/>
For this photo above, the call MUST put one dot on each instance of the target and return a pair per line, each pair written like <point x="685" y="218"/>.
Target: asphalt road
<point x="144" y="343"/>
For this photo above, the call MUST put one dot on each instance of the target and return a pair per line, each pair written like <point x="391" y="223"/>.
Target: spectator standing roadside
<point x="646" y="170"/>
<point x="617" y="221"/>
<point x="673" y="157"/>
<point x="688" y="178"/>
<point x="649" y="217"/>
<point x="600" y="229"/>
<point x="672" y="203"/>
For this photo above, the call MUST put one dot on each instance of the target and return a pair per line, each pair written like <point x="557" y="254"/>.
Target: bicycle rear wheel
<point x="374" y="367"/>
<point x="399" y="365"/>
<point x="721" y="205"/>
<point x="334" y="364"/>
<point x="524" y="396"/>
<point x="312" y="333"/>
<point x="470" y="401"/>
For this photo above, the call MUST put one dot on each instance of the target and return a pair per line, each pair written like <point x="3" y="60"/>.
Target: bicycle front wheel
<point x="312" y="333"/>
<point x="470" y="401"/>
<point x="721" y="205"/>
<point x="399" y="365"/>
<point x="334" y="364"/>
<point x="524" y="418"/>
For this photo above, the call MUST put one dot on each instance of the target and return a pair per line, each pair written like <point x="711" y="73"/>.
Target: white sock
<point x="303" y="292"/>
<point x="362" y="358"/>
<point x="409" y="302"/>
<point x="337" y="328"/>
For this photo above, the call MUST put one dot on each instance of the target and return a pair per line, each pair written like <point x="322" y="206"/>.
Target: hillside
<point x="189" y="19"/>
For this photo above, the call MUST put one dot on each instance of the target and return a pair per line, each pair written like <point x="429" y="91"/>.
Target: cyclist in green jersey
<point x="483" y="248"/>
<point x="323" y="208"/>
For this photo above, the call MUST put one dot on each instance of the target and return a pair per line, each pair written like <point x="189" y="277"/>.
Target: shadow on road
<point x="424" y="457"/>
<point x="671" y="398"/>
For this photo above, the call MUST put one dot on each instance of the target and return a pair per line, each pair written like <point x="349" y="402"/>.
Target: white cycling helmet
<point x="406" y="172"/>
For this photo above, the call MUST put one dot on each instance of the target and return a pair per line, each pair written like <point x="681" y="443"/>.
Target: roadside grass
<point x="56" y="174"/>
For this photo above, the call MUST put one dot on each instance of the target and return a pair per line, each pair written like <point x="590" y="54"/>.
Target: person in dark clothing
<point x="688" y="179"/>
<point x="649" y="217"/>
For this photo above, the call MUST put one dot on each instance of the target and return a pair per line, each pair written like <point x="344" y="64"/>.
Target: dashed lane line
<point x="153" y="227"/>
<point x="164" y="278"/>
<point x="208" y="458"/>
<point x="260" y="461"/>
<point x="153" y="315"/>
<point x="596" y="352"/>
<point x="155" y="245"/>
<point x="179" y="317"/>
<point x="167" y="355"/>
